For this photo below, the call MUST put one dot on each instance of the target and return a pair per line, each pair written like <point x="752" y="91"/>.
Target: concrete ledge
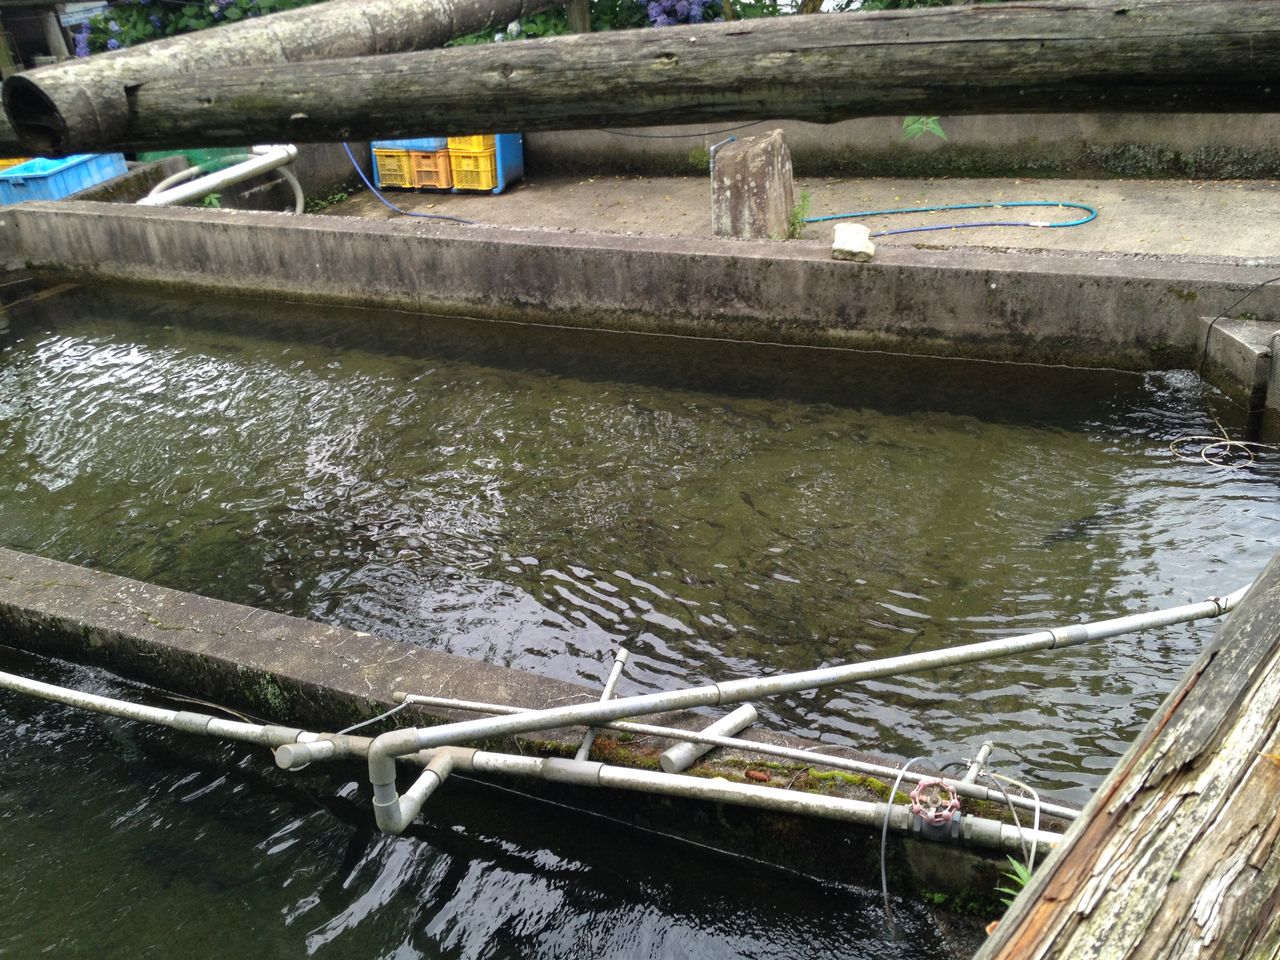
<point x="1059" y="308"/>
<point x="1238" y="358"/>
<point x="298" y="672"/>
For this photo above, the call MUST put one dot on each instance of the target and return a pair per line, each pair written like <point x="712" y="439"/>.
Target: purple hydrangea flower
<point x="81" y="38"/>
<point x="113" y="44"/>
<point x="155" y="21"/>
<point x="113" y="26"/>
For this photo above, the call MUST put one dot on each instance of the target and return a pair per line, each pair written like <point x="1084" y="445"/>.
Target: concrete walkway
<point x="1188" y="219"/>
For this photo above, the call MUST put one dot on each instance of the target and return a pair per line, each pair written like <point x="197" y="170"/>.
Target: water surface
<point x="536" y="498"/>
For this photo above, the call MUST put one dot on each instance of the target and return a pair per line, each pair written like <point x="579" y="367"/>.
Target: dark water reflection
<point x="537" y="498"/>
<point x="123" y="841"/>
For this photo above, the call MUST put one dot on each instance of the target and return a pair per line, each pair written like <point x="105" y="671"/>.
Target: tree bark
<point x="82" y="105"/>
<point x="578" y="13"/>
<point x="1087" y="55"/>
<point x="9" y="146"/>
<point x="1178" y="855"/>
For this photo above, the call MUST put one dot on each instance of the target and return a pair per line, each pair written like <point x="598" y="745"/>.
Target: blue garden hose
<point x="1092" y="214"/>
<point x="377" y="193"/>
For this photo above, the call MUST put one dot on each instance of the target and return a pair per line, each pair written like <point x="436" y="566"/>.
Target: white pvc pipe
<point x="401" y="742"/>
<point x="184" y="720"/>
<point x="976" y="830"/>
<point x="975" y="791"/>
<point x="610" y="685"/>
<point x="681" y="757"/>
<point x="271" y="158"/>
<point x="394" y="812"/>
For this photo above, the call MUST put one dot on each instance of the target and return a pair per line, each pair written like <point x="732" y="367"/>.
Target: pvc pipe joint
<point x="682" y="756"/>
<point x="393" y="813"/>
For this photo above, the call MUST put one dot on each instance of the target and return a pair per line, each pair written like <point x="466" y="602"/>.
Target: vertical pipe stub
<point x="682" y="756"/>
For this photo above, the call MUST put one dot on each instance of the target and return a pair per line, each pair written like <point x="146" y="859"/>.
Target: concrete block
<point x="751" y="188"/>
<point x="1237" y="357"/>
<point x="852" y="242"/>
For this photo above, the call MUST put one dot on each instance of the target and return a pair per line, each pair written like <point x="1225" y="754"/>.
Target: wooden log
<point x="1077" y="55"/>
<point x="1178" y="855"/>
<point x="9" y="145"/>
<point x="81" y="105"/>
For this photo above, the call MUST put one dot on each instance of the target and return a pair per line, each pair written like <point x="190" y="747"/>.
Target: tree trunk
<point x="578" y="13"/>
<point x="1178" y="855"/>
<point x="1089" y="55"/>
<point x="81" y="105"/>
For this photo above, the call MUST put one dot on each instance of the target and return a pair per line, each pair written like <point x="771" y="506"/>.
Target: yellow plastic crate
<point x="474" y="170"/>
<point x="473" y="144"/>
<point x="394" y="168"/>
<point x="7" y="162"/>
<point x="431" y="169"/>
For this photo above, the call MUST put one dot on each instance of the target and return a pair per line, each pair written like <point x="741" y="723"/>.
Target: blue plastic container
<point x="424" y="144"/>
<point x="42" y="179"/>
<point x="508" y="164"/>
<point x="510" y="156"/>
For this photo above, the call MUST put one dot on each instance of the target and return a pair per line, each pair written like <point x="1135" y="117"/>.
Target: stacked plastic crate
<point x="420" y="164"/>
<point x="488" y="162"/>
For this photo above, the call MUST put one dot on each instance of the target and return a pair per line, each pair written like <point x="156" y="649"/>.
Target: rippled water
<point x="536" y="498"/>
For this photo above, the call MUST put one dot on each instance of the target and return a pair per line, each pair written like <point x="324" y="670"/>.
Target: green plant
<point x="211" y="200"/>
<point x="131" y="22"/>
<point x="316" y="204"/>
<point x="699" y="158"/>
<point x="1018" y="877"/>
<point x="913" y="128"/>
<point x="795" y="222"/>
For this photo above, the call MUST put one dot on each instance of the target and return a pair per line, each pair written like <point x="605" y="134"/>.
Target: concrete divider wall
<point x="1059" y="308"/>
<point x="298" y="673"/>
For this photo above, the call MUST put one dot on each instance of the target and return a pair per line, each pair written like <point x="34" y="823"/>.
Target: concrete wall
<point x="1062" y="308"/>
<point x="298" y="673"/>
<point x="1209" y="146"/>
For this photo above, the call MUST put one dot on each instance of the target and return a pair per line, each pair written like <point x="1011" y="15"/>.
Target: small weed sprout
<point x="913" y="128"/>
<point x="795" y="222"/>
<point x="1018" y="877"/>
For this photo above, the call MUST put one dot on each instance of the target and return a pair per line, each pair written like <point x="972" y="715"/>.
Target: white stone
<point x="852" y="242"/>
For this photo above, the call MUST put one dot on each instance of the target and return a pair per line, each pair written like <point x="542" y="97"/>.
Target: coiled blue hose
<point x="1092" y="214"/>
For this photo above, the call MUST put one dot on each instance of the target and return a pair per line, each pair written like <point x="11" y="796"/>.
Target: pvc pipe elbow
<point x="383" y="752"/>
<point x="392" y="813"/>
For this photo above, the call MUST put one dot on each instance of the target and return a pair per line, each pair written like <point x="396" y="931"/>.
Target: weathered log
<point x="1178" y="855"/>
<point x="9" y="146"/>
<point x="1089" y="55"/>
<point x="82" y="104"/>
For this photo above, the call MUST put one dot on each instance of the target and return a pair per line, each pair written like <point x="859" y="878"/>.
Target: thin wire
<point x="1026" y="854"/>
<point x="1204" y="350"/>
<point x="682" y="136"/>
<point x="1035" y="824"/>
<point x="408" y="213"/>
<point x="884" y="839"/>
<point x="1222" y="445"/>
<point x="1091" y="214"/>
<point x="382" y="716"/>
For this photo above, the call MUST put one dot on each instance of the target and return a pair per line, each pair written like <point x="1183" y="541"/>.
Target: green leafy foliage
<point x="1018" y="877"/>
<point x="605" y="15"/>
<point x="913" y="128"/>
<point x="130" y="22"/>
<point x="795" y="221"/>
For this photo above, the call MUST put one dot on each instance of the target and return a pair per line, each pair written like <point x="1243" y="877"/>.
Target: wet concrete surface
<point x="1188" y="219"/>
